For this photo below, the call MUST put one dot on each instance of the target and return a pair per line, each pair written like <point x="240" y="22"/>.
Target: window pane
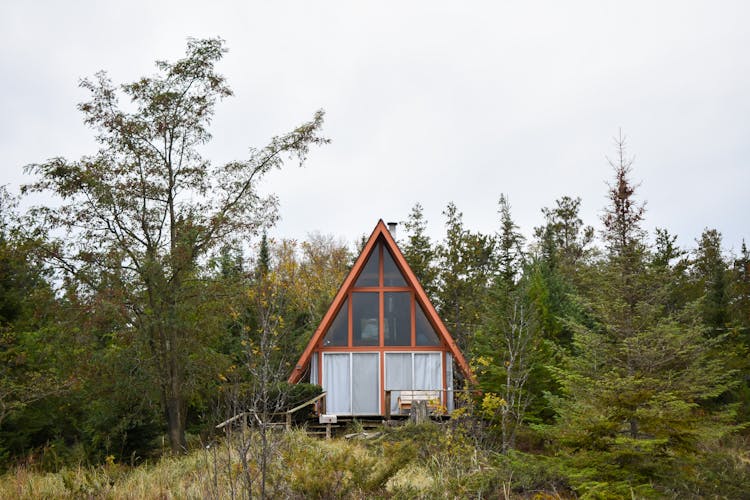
<point x="398" y="376"/>
<point x="428" y="371"/>
<point x="369" y="274"/>
<point x="365" y="323"/>
<point x="426" y="335"/>
<point x="397" y="318"/>
<point x="314" y="368"/>
<point x="338" y="332"/>
<point x="391" y="274"/>
<point x="365" y="383"/>
<point x="336" y="380"/>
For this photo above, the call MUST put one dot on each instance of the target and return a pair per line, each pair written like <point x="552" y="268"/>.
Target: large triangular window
<point x="338" y="333"/>
<point x="391" y="273"/>
<point x="381" y="309"/>
<point x="426" y="335"/>
<point x="370" y="273"/>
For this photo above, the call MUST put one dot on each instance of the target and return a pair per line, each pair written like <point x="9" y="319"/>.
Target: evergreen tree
<point x="741" y="293"/>
<point x="466" y="268"/>
<point x="559" y="267"/>
<point x="669" y="263"/>
<point x="740" y="314"/>
<point x="711" y="274"/>
<point x="506" y="352"/>
<point x="419" y="251"/>
<point x="264" y="258"/>
<point x="565" y="233"/>
<point x="31" y="374"/>
<point x="634" y="383"/>
<point x="510" y="253"/>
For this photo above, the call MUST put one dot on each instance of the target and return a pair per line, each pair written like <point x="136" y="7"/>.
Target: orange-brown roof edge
<point x="380" y="229"/>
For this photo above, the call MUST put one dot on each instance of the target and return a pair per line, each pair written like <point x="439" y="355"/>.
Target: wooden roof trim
<point x="298" y="370"/>
<point x="427" y="306"/>
<point x="429" y="309"/>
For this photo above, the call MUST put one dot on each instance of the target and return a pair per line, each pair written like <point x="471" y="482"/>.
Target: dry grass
<point x="190" y="476"/>
<point x="407" y="463"/>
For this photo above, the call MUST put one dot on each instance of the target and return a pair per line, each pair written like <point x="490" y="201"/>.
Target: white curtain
<point x="365" y="383"/>
<point x="398" y="375"/>
<point x="427" y="371"/>
<point x="314" y="368"/>
<point x="336" y="378"/>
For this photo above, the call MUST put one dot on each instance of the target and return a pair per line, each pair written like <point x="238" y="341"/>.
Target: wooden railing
<point x="460" y="398"/>
<point x="288" y="414"/>
<point x="321" y="408"/>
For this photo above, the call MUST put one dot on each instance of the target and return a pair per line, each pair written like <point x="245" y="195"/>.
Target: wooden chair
<point x="407" y="398"/>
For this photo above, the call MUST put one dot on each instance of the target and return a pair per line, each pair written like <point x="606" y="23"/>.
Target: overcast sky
<point x="425" y="101"/>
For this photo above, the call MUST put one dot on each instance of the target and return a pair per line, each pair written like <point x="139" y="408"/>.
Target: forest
<point x="146" y="304"/>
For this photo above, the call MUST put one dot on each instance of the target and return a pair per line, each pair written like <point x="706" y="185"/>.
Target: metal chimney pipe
<point x="392" y="228"/>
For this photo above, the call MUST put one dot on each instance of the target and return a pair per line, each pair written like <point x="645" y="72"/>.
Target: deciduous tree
<point x="149" y="206"/>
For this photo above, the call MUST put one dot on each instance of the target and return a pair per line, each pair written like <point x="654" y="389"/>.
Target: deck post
<point x="419" y="412"/>
<point x="387" y="405"/>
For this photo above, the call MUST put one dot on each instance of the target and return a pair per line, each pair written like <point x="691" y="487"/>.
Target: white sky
<point x="425" y="101"/>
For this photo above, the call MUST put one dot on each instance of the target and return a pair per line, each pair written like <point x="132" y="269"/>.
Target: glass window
<point x="391" y="274"/>
<point x="397" y="318"/>
<point x="398" y="376"/>
<point x="336" y="380"/>
<point x="365" y="383"/>
<point x="428" y="371"/>
<point x="338" y="332"/>
<point x="426" y="335"/>
<point x="365" y="324"/>
<point x="371" y="271"/>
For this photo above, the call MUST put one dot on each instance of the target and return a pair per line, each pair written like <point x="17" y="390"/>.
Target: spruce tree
<point x="558" y="267"/>
<point x="635" y="381"/>
<point x="419" y="251"/>
<point x="711" y="275"/>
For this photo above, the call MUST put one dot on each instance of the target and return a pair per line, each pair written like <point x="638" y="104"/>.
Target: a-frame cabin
<point x="381" y="333"/>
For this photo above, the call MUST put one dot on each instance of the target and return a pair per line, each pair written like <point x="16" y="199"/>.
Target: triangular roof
<point x="380" y="233"/>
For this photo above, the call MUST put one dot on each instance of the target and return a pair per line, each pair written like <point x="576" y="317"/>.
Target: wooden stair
<point x="314" y="428"/>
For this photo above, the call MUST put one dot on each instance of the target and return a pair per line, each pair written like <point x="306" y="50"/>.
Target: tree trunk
<point x="634" y="428"/>
<point x="175" y="410"/>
